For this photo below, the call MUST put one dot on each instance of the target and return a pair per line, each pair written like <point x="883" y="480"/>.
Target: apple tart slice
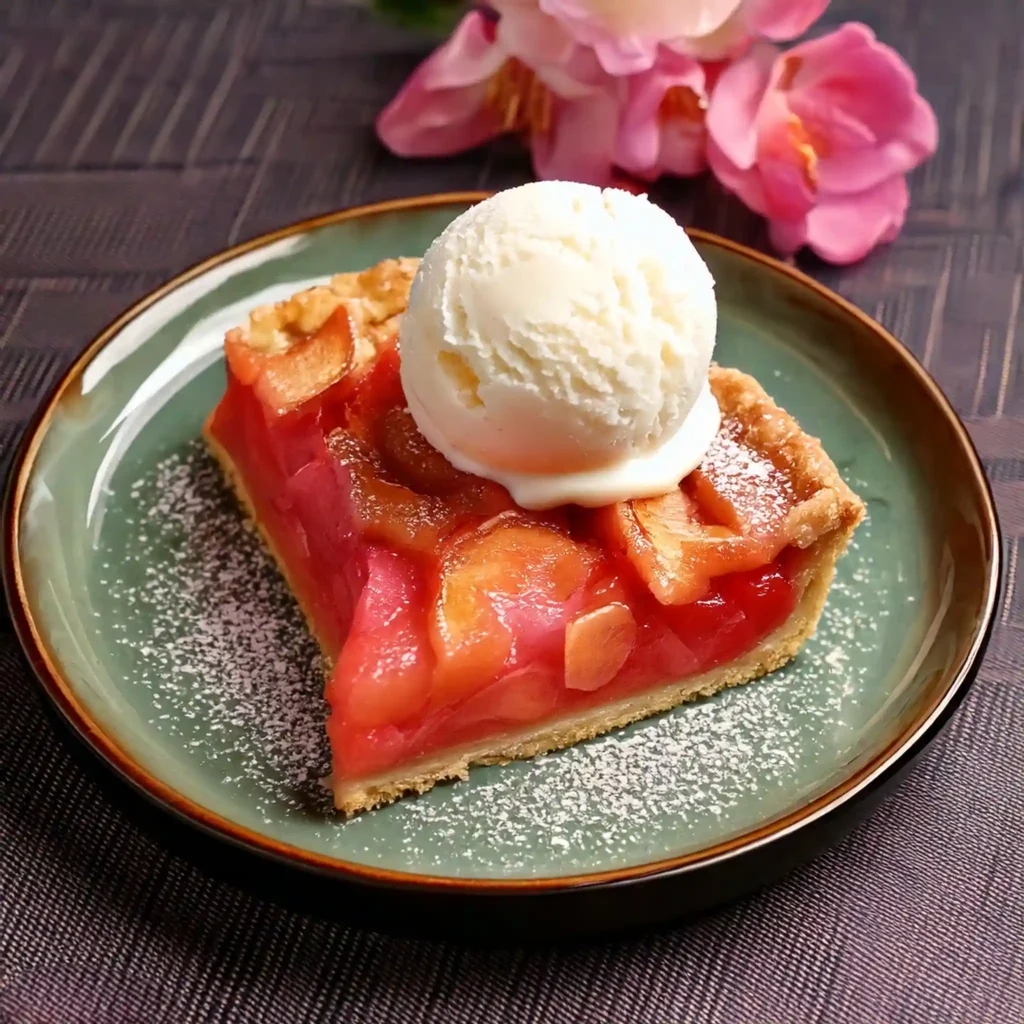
<point x="461" y="629"/>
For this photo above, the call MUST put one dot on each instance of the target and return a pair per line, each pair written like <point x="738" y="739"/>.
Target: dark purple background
<point x="138" y="136"/>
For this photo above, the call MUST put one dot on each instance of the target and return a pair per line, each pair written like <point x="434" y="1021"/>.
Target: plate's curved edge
<point x="869" y="777"/>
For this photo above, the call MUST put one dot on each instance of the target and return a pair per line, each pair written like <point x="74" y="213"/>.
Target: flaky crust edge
<point x="826" y="502"/>
<point x="827" y="518"/>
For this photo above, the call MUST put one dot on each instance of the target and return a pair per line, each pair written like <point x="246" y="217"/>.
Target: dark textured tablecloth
<point x="137" y="136"/>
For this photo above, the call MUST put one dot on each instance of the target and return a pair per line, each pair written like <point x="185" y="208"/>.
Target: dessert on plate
<point x="515" y="499"/>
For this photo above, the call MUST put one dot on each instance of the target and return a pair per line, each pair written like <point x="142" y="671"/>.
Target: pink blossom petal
<point x="752" y="19"/>
<point x="441" y="109"/>
<point x="819" y="56"/>
<point x="642" y="129"/>
<point x="437" y="123"/>
<point x="858" y="170"/>
<point x="580" y="77"/>
<point x="581" y="143"/>
<point x="683" y="150"/>
<point x="524" y="31"/>
<point x="696" y="18"/>
<point x="625" y="36"/>
<point x="745" y="183"/>
<point x="862" y="169"/>
<point x="782" y="19"/>
<point x="649" y="21"/>
<point x="639" y="132"/>
<point x="786" y="171"/>
<point x="862" y="143"/>
<point x="618" y="51"/>
<point x="730" y="40"/>
<point x="788" y="236"/>
<point x="469" y="56"/>
<point x="543" y="44"/>
<point x="868" y="80"/>
<point x="735" y="102"/>
<point x="824" y="118"/>
<point x="844" y="229"/>
<point x="786" y="189"/>
<point x="625" y="55"/>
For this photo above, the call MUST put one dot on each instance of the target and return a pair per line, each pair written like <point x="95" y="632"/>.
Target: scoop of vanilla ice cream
<point x="557" y="340"/>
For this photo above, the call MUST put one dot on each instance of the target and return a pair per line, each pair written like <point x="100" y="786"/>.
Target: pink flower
<point x="819" y="139"/>
<point x="521" y="74"/>
<point x="778" y="20"/>
<point x="625" y="36"/>
<point x="662" y="128"/>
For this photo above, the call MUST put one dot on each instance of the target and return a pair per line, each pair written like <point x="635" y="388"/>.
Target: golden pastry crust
<point x="374" y="298"/>
<point x="824" y="500"/>
<point x="821" y="522"/>
<point x="381" y="291"/>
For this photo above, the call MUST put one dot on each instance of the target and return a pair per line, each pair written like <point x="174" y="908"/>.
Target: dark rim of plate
<point x="942" y="698"/>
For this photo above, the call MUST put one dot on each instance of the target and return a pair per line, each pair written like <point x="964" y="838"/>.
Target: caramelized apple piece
<point x="394" y="515"/>
<point x="711" y="627"/>
<point x="659" y="653"/>
<point x="728" y="516"/>
<point x="378" y="391"/>
<point x="245" y="363"/>
<point x="740" y="488"/>
<point x="378" y="416"/>
<point x="597" y="644"/>
<point x="382" y="676"/>
<point x="672" y="550"/>
<point x="411" y="456"/>
<point x="286" y="377"/>
<point x="361" y="752"/>
<point x="510" y="568"/>
<point x="386" y="511"/>
<point x="526" y="695"/>
<point x="422" y="468"/>
<point x="740" y="609"/>
<point x="767" y="595"/>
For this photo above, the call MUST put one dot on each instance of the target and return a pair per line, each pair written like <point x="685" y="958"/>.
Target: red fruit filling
<point x="450" y="614"/>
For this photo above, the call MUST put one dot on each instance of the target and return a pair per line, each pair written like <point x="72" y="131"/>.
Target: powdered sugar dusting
<point x="217" y="639"/>
<point x="235" y="679"/>
<point x="748" y="481"/>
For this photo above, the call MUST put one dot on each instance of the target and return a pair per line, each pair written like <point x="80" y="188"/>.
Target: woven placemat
<point x="137" y="138"/>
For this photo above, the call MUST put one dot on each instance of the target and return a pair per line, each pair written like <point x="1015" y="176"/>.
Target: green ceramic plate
<point x="163" y="634"/>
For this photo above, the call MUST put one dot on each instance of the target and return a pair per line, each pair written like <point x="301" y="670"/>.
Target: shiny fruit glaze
<point x="451" y="615"/>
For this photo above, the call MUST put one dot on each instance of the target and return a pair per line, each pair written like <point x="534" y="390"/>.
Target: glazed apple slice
<point x="382" y="676"/>
<point x="597" y="644"/>
<point x="389" y="513"/>
<point x="527" y="695"/>
<point x="511" y="577"/>
<point x="378" y="391"/>
<point x="737" y="487"/>
<point x="675" y="553"/>
<point x="728" y="516"/>
<point x="711" y="626"/>
<point x="390" y="462"/>
<point x="292" y="370"/>
<point x="378" y="416"/>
